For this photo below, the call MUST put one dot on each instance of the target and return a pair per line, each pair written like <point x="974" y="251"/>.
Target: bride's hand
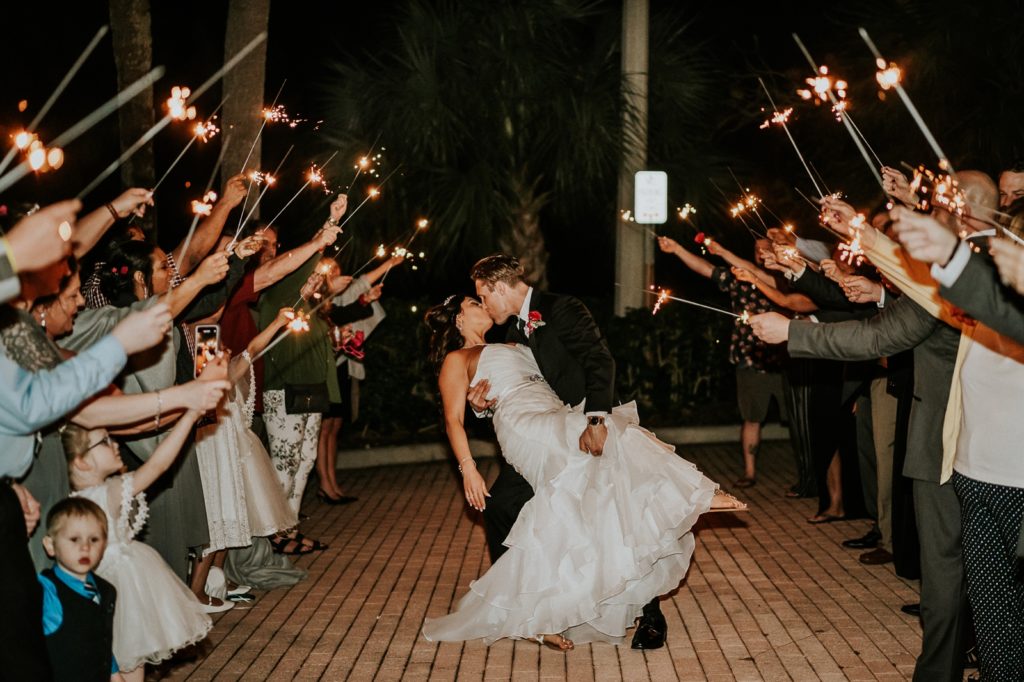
<point x="476" y="487"/>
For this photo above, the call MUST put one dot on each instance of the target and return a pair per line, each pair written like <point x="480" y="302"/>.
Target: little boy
<point x="78" y="605"/>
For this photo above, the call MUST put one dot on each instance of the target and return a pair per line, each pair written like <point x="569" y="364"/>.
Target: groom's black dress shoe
<point x="650" y="632"/>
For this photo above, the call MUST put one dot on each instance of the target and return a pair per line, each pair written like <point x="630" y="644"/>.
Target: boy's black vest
<point x="82" y="647"/>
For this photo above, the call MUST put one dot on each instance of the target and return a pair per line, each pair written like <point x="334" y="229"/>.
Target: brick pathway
<point x="768" y="597"/>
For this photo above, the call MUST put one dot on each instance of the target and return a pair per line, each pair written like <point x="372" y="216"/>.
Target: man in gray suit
<point x="901" y="326"/>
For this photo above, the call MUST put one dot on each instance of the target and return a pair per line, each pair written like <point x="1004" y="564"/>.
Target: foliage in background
<point x="675" y="365"/>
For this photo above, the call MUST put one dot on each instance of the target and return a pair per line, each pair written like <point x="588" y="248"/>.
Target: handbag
<point x="306" y="398"/>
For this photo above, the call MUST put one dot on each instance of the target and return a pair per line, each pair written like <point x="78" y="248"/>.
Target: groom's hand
<point x="477" y="397"/>
<point x="592" y="439"/>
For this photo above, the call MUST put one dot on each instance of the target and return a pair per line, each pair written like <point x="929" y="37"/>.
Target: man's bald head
<point x="982" y="197"/>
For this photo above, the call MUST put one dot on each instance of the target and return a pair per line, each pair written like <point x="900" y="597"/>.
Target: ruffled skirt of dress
<point x="156" y="614"/>
<point x="601" y="537"/>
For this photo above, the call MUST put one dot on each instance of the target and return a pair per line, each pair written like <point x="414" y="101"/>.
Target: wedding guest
<point x="78" y="605"/>
<point x="1011" y="184"/>
<point x="758" y="366"/>
<point x="157" y="614"/>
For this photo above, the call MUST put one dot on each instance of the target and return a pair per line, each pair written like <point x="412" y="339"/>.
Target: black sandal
<point x="282" y="544"/>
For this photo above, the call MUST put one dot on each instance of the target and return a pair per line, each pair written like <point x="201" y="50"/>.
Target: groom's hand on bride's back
<point x="477" y="397"/>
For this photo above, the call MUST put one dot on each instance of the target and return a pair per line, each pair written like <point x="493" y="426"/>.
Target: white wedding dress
<point x="601" y="537"/>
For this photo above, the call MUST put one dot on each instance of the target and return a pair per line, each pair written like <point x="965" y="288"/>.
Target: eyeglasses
<point x="106" y="440"/>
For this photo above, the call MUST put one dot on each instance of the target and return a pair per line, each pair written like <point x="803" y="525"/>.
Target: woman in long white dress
<point x="601" y="537"/>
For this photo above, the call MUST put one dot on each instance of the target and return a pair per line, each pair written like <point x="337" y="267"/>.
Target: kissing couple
<point x="590" y="519"/>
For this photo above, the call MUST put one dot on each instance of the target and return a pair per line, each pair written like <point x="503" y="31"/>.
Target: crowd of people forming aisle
<point x="134" y="457"/>
<point x="899" y="363"/>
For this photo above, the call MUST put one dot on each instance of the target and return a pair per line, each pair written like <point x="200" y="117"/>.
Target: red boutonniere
<point x="533" y="323"/>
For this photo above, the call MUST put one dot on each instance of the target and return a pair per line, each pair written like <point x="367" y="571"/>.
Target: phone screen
<point x="207" y="345"/>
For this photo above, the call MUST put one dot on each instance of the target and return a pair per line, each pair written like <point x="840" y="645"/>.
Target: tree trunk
<point x="133" y="57"/>
<point x="525" y="240"/>
<point x="243" y="86"/>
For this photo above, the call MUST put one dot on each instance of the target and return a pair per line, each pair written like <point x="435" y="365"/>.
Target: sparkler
<point x="373" y="193"/>
<point x="796" y="149"/>
<point x="255" y="140"/>
<point x="823" y="86"/>
<point x="664" y="295"/>
<point x="206" y="194"/>
<point x="686" y="211"/>
<point x="403" y="251"/>
<point x="177" y="107"/>
<point x="365" y="162"/>
<point x="268" y="180"/>
<point x="313" y="176"/>
<point x="204" y="207"/>
<point x="82" y="126"/>
<point x="57" y="92"/>
<point x="889" y="76"/>
<point x="203" y="130"/>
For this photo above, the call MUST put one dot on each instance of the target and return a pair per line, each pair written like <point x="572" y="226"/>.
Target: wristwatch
<point x="595" y="421"/>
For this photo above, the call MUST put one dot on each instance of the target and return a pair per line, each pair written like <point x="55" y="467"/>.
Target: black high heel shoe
<point x="327" y="499"/>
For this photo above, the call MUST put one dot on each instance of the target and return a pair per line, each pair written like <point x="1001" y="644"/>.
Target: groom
<point x="575" y="361"/>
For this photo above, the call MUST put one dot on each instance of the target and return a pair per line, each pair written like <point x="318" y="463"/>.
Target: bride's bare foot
<point x="724" y="502"/>
<point x="556" y="642"/>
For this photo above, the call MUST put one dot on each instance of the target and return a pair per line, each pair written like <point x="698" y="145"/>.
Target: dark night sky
<point x="743" y="39"/>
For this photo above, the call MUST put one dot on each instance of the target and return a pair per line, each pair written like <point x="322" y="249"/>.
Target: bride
<point x="601" y="537"/>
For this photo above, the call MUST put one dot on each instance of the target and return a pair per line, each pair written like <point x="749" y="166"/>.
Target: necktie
<point x="91" y="591"/>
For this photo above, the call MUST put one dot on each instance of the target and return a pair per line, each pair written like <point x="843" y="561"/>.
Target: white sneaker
<point x="240" y="589"/>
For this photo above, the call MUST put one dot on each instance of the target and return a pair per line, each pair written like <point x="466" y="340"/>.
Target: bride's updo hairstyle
<point x="444" y="334"/>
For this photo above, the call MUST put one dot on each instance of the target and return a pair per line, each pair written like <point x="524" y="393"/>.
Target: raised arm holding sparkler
<point x="91" y="227"/>
<point x="208" y="231"/>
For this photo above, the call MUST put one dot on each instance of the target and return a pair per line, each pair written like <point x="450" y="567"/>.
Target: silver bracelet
<point x="470" y="458"/>
<point x="159" y="409"/>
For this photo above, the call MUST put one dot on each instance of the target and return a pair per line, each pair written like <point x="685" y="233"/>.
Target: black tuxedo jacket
<point x="572" y="354"/>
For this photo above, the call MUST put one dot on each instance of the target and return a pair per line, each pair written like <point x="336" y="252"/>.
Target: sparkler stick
<point x="737" y="214"/>
<point x="262" y="192"/>
<point x="262" y="126"/>
<point x="359" y="166"/>
<point x="663" y="295"/>
<point x="800" y="156"/>
<point x="190" y="142"/>
<point x="56" y="93"/>
<point x="843" y="116"/>
<point x="296" y="195"/>
<point x="370" y="195"/>
<point x="747" y="196"/>
<point x="101" y="112"/>
<point x="807" y="199"/>
<point x="213" y="175"/>
<point x="163" y="123"/>
<point x="127" y="154"/>
<point x="932" y="142"/>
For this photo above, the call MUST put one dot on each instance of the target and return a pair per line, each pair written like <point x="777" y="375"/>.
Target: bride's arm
<point x="454" y="382"/>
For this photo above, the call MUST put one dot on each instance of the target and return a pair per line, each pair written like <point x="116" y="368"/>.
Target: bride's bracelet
<point x="466" y="459"/>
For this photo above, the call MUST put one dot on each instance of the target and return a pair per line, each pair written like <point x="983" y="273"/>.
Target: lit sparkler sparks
<point x="853" y="253"/>
<point x="300" y="323"/>
<point x="177" y="104"/>
<point x="778" y="118"/>
<point x="888" y="77"/>
<point x="686" y="211"/>
<point x="261" y="178"/>
<point x="381" y="251"/>
<point x="204" y="206"/>
<point x="206" y="130"/>
<point x="662" y="297"/>
<point x="278" y="114"/>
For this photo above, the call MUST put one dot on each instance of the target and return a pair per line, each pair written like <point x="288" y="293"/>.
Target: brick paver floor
<point x="768" y="596"/>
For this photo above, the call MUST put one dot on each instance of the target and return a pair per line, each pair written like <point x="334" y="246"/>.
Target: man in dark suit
<point x="574" y="358"/>
<point x="904" y="325"/>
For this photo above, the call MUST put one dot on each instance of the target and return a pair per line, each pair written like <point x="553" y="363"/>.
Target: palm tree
<point x="505" y="115"/>
<point x="133" y="56"/>
<point x="244" y="83"/>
